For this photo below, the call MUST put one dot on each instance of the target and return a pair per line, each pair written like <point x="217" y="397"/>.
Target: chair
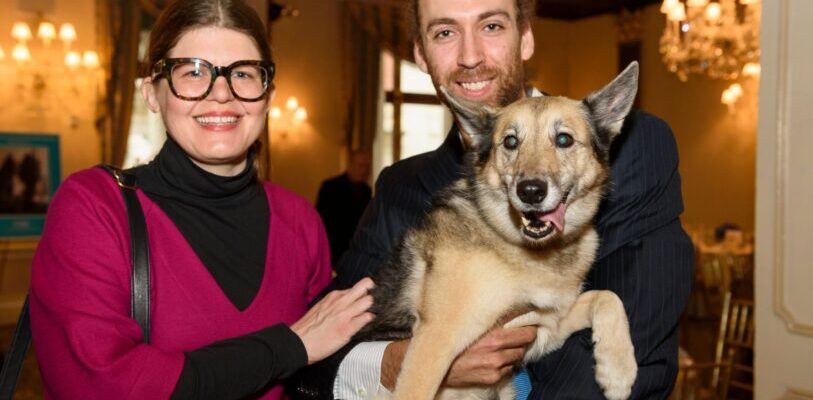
<point x="730" y="375"/>
<point x="717" y="273"/>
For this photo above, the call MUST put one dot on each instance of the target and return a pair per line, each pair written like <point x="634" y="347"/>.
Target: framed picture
<point x="29" y="176"/>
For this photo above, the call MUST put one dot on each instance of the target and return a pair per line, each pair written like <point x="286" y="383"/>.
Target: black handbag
<point x="139" y="286"/>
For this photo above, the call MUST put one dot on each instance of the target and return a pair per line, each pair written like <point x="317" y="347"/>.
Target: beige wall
<point x="717" y="148"/>
<point x="307" y="50"/>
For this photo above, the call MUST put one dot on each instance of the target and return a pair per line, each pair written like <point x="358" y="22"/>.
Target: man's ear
<point x="475" y="121"/>
<point x="148" y="92"/>
<point x="526" y="44"/>
<point x="417" y="50"/>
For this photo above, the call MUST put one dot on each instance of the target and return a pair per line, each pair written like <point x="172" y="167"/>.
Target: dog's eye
<point x="564" y="140"/>
<point x="510" y="142"/>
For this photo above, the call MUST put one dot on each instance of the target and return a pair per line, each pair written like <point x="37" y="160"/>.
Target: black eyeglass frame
<point x="163" y="69"/>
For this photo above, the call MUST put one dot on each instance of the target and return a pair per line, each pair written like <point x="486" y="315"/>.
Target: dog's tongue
<point x="557" y="216"/>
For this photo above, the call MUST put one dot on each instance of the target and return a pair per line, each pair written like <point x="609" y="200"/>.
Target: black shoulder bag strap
<point x="139" y="289"/>
<point x="139" y="251"/>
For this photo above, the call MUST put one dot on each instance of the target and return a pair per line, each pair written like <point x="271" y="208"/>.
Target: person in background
<point x="235" y="262"/>
<point x="475" y="49"/>
<point x="341" y="201"/>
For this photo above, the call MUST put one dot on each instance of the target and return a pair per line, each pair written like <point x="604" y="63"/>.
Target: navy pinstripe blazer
<point x="645" y="257"/>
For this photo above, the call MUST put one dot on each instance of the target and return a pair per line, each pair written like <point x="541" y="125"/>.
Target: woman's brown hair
<point x="181" y="16"/>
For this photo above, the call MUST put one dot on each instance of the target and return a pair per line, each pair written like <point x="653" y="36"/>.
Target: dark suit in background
<point x="341" y="202"/>
<point x="645" y="257"/>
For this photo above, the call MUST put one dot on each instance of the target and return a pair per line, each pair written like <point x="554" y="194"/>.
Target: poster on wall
<point x="29" y="176"/>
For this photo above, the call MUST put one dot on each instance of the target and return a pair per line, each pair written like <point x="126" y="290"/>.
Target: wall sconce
<point x="732" y="95"/>
<point x="45" y="70"/>
<point x="287" y="119"/>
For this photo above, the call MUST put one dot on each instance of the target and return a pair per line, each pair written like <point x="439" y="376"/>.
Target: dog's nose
<point x="532" y="191"/>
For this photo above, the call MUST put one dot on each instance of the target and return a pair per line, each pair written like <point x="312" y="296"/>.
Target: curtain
<point x="118" y="36"/>
<point x="369" y="27"/>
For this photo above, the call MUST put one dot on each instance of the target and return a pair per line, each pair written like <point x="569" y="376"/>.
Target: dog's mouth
<point x="541" y="224"/>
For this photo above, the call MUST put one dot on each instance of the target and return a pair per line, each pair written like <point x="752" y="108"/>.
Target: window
<point x="147" y="132"/>
<point x="424" y="120"/>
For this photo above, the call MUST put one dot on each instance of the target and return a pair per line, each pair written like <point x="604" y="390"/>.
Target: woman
<point x="235" y="262"/>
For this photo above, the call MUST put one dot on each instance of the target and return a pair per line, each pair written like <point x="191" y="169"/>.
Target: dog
<point x="515" y="231"/>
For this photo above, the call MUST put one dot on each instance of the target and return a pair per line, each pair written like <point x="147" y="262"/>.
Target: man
<point x="475" y="49"/>
<point x="341" y="201"/>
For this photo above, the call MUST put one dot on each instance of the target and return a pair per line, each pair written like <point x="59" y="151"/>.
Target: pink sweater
<point x="87" y="345"/>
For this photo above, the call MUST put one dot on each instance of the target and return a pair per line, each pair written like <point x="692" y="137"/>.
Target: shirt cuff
<point x="359" y="374"/>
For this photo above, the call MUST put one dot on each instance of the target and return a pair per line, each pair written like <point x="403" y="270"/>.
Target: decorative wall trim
<point x="781" y="178"/>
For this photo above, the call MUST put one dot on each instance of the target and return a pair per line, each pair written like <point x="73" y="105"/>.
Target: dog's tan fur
<point x="470" y="263"/>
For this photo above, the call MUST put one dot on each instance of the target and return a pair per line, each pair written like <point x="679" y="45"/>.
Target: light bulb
<point x="46" y="32"/>
<point x="276" y="113"/>
<point x="697" y="3"/>
<point x="21" y="31"/>
<point x="667" y="5"/>
<point x="73" y="60"/>
<point x="2" y="53"/>
<point x="20" y="53"/>
<point x="736" y="89"/>
<point x="751" y="69"/>
<point x="90" y="59"/>
<point x="292" y="103"/>
<point x="300" y="115"/>
<point x="677" y="13"/>
<point x="732" y="94"/>
<point x="67" y="33"/>
<point x="713" y="12"/>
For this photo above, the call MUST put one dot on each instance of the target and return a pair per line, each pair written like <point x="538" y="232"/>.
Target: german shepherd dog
<point x="515" y="231"/>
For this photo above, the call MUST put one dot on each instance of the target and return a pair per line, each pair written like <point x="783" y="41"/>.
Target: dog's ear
<point x="475" y="121"/>
<point x="610" y="105"/>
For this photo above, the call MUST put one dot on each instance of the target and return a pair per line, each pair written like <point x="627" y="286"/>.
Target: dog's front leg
<point x="602" y="310"/>
<point x="459" y="305"/>
<point x="546" y="323"/>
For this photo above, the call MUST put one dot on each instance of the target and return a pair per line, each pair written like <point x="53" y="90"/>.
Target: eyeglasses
<point x="193" y="78"/>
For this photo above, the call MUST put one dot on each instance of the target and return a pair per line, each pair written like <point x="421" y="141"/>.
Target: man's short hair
<point x="525" y="11"/>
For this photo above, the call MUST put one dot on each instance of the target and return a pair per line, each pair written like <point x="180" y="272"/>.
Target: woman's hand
<point x="330" y="324"/>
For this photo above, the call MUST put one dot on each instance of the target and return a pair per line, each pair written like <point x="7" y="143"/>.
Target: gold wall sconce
<point x="734" y="92"/>
<point x="46" y="65"/>
<point x="287" y="119"/>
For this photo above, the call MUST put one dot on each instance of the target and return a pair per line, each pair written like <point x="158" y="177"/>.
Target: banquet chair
<point x="730" y="375"/>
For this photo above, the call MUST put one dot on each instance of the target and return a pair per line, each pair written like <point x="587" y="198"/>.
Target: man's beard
<point x="510" y="82"/>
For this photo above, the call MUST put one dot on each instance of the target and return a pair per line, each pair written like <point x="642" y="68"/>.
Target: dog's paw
<point x="616" y="370"/>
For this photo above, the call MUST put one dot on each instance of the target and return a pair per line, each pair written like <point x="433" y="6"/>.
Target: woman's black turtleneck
<point x="225" y="221"/>
<point x="224" y="218"/>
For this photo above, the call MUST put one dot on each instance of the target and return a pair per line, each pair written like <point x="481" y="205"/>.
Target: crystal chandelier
<point x="717" y="38"/>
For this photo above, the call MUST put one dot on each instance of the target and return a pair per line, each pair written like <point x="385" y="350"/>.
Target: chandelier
<point x="716" y="38"/>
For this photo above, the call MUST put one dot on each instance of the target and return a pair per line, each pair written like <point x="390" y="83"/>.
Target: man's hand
<point x="485" y="362"/>
<point x="491" y="358"/>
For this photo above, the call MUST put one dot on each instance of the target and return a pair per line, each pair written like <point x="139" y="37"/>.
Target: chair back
<point x="735" y="344"/>
<point x="720" y="272"/>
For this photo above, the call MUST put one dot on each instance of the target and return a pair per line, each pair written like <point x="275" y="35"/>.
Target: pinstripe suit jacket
<point x="645" y="257"/>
